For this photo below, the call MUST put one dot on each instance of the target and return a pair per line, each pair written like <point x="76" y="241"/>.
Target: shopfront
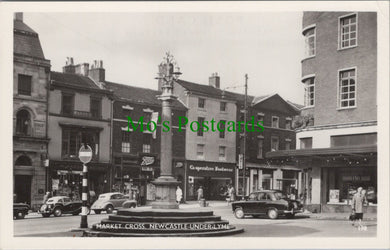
<point x="214" y="177"/>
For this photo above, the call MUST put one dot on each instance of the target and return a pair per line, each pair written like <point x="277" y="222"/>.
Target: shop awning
<point x="360" y="151"/>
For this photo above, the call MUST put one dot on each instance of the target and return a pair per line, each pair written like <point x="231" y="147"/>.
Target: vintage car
<point x="110" y="201"/>
<point x="20" y="210"/>
<point x="59" y="205"/>
<point x="267" y="202"/>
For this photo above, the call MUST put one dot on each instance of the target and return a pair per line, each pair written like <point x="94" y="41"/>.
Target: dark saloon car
<point x="267" y="202"/>
<point x="20" y="210"/>
<point x="59" y="205"/>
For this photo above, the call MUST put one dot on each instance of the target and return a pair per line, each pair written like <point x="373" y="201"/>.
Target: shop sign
<point x="147" y="169"/>
<point x="147" y="160"/>
<point x="210" y="169"/>
<point x="162" y="226"/>
<point x="356" y="178"/>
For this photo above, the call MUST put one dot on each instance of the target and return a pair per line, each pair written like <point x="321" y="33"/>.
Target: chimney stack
<point x="69" y="66"/>
<point x="18" y="16"/>
<point x="97" y="72"/>
<point x="82" y="69"/>
<point x="214" y="80"/>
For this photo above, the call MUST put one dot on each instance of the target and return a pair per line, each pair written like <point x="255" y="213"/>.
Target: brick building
<point x="30" y="139"/>
<point x="136" y="152"/>
<point x="337" y="133"/>
<point x="80" y="110"/>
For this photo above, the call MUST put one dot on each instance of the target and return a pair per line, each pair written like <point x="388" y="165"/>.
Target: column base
<point x="165" y="193"/>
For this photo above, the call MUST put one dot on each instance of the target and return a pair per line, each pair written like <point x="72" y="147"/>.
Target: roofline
<point x="56" y="83"/>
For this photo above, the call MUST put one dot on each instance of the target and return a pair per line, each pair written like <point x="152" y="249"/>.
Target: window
<point x="222" y="106"/>
<point x="274" y="143"/>
<point x="200" y="130"/>
<point x="96" y="107"/>
<point x="67" y="104"/>
<point x="275" y="122"/>
<point x="222" y="153"/>
<point x="146" y="144"/>
<point x="125" y="142"/>
<point x="306" y="142"/>
<point x="260" y="148"/>
<point x="288" y="123"/>
<point x="201" y="103"/>
<point x="260" y="117"/>
<point x="23" y="122"/>
<point x="348" y="31"/>
<point x="222" y="128"/>
<point x="288" y="144"/>
<point x="24" y="85"/>
<point x="351" y="140"/>
<point x="200" y="151"/>
<point x="309" y="92"/>
<point x="347" y="89"/>
<point x="73" y="138"/>
<point x="310" y="42"/>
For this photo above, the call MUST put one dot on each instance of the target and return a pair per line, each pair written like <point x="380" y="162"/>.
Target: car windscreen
<point x="50" y="200"/>
<point x="279" y="195"/>
<point x="102" y="196"/>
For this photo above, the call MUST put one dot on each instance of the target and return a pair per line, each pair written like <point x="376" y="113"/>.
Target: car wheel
<point x="239" y="213"/>
<point x="133" y="206"/>
<point x="290" y="216"/>
<point x="272" y="214"/>
<point x="97" y="211"/>
<point x="45" y="215"/>
<point x="20" y="215"/>
<point x="57" y="212"/>
<point x="109" y="209"/>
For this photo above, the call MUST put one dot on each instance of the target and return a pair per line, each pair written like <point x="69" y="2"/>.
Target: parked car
<point x="267" y="202"/>
<point x="59" y="205"/>
<point x="20" y="210"/>
<point x="110" y="201"/>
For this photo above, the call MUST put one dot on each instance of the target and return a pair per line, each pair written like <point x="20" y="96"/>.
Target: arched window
<point x="23" y="161"/>
<point x="23" y="122"/>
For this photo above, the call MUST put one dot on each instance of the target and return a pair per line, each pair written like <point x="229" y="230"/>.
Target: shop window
<point x="200" y="151"/>
<point x="222" y="106"/>
<point x="348" y="31"/>
<point x="24" y="85"/>
<point x="222" y="153"/>
<point x="125" y="142"/>
<point x="23" y="122"/>
<point x="274" y="143"/>
<point x="260" y="148"/>
<point x="96" y="107"/>
<point x="200" y="130"/>
<point x="275" y="122"/>
<point x="266" y="183"/>
<point x="73" y="138"/>
<point x="347" y="88"/>
<point x="146" y="145"/>
<point x="201" y="103"/>
<point x="353" y="140"/>
<point x="67" y="104"/>
<point x="222" y="129"/>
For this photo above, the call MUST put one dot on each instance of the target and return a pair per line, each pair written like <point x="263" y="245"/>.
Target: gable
<point x="276" y="103"/>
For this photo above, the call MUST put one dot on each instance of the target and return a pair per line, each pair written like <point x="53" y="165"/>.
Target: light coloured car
<point x="110" y="201"/>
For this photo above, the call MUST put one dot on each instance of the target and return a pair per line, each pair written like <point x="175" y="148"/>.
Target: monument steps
<point x="163" y="219"/>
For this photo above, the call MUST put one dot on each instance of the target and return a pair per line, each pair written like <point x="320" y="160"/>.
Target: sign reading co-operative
<point x="210" y="169"/>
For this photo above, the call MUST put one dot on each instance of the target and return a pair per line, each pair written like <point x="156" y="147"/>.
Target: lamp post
<point x="166" y="183"/>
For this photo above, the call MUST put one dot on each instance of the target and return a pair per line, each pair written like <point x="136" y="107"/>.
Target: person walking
<point x="358" y="201"/>
<point x="231" y="194"/>
<point x="46" y="197"/>
<point x="179" y="194"/>
<point x="200" y="193"/>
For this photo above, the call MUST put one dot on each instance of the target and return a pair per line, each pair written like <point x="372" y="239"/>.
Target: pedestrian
<point x="200" y="193"/>
<point x="179" y="194"/>
<point x="231" y="193"/>
<point x="46" y="197"/>
<point x="358" y="201"/>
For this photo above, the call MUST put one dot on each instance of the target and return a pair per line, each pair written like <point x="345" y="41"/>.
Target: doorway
<point x="22" y="188"/>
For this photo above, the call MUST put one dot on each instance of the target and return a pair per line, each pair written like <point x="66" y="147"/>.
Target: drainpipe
<point x="47" y="133"/>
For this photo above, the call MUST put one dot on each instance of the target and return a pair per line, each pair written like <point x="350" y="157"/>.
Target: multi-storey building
<point x="30" y="140"/>
<point x="210" y="155"/>
<point x="80" y="109"/>
<point x="337" y="136"/>
<point x="136" y="150"/>
<point x="276" y="116"/>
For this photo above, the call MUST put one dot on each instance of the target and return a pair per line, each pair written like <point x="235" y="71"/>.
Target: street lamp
<point x="166" y="183"/>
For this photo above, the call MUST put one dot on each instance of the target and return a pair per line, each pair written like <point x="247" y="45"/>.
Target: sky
<point x="268" y="46"/>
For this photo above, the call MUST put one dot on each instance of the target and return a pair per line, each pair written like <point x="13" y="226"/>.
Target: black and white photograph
<point x="184" y="125"/>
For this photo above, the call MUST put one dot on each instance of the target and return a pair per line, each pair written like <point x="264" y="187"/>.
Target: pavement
<point x="221" y="204"/>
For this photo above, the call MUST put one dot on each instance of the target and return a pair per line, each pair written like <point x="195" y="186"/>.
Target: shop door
<point x="22" y="188"/>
